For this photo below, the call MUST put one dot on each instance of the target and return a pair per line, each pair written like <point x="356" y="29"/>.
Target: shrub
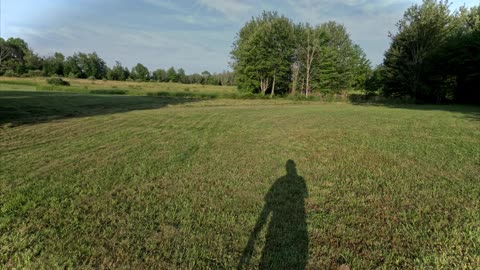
<point x="57" y="81"/>
<point x="91" y="78"/>
<point x="302" y="97"/>
<point x="34" y="73"/>
<point x="10" y="73"/>
<point x="72" y="75"/>
<point x="249" y="96"/>
<point x="238" y="95"/>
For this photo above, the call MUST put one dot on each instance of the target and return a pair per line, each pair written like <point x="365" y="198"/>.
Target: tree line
<point x="18" y="59"/>
<point x="271" y="54"/>
<point x="434" y="57"/>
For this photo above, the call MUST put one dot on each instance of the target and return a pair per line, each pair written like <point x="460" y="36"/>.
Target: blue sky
<point x="196" y="35"/>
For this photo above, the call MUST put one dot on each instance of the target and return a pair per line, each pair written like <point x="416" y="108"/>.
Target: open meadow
<point x="116" y="87"/>
<point x="143" y="182"/>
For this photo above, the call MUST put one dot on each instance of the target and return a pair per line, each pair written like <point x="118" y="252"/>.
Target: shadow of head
<point x="291" y="168"/>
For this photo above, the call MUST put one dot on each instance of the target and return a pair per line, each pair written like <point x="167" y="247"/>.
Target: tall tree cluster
<point x="82" y="65"/>
<point x="18" y="59"/>
<point x="272" y="55"/>
<point x="434" y="56"/>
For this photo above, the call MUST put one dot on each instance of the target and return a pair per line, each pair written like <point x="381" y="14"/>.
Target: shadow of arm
<point x="248" y="251"/>
<point x="305" y="188"/>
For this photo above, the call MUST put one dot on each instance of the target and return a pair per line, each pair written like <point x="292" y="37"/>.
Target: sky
<point x="196" y="35"/>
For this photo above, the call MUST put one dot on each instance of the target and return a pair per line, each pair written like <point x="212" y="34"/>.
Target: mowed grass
<point x="149" y="182"/>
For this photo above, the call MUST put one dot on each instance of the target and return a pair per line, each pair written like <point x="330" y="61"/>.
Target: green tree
<point x="5" y="52"/>
<point x="452" y="69"/>
<point x="172" y="75"/>
<point x="262" y="53"/>
<point x="225" y="78"/>
<point x="118" y="72"/>
<point x="92" y="65"/>
<point x="247" y="76"/>
<point x="160" y="75"/>
<point x="13" y="56"/>
<point x="140" y="72"/>
<point x="206" y="77"/>
<point x="336" y="65"/>
<point x="181" y="77"/>
<point x="310" y="51"/>
<point x="72" y="67"/>
<point x="54" y="65"/>
<point x="33" y="62"/>
<point x="361" y="68"/>
<point x="82" y="65"/>
<point x="374" y="83"/>
<point x="422" y="30"/>
<point x="195" y="78"/>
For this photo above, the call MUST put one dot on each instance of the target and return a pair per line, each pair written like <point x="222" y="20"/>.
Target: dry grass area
<point x="131" y="88"/>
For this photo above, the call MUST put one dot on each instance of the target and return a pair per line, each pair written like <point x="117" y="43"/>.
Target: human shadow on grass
<point x="286" y="245"/>
<point x="31" y="107"/>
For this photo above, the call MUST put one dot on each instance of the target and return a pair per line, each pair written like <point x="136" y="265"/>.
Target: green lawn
<point x="129" y="182"/>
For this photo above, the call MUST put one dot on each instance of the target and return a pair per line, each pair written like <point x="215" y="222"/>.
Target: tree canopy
<point x="434" y="56"/>
<point x="272" y="54"/>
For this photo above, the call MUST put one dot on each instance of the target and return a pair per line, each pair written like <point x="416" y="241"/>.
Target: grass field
<point x="129" y="182"/>
<point x="117" y="87"/>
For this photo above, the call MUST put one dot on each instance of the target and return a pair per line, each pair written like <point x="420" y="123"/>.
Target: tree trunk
<point x="304" y="89"/>
<point x="273" y="85"/>
<point x="311" y="49"/>
<point x="295" y="77"/>
<point x="264" y="85"/>
<point x="307" y="82"/>
<point x="307" y="76"/>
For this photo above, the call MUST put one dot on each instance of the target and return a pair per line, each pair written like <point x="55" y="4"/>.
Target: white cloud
<point x="229" y="8"/>
<point x="165" y="4"/>
<point x="203" y="21"/>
